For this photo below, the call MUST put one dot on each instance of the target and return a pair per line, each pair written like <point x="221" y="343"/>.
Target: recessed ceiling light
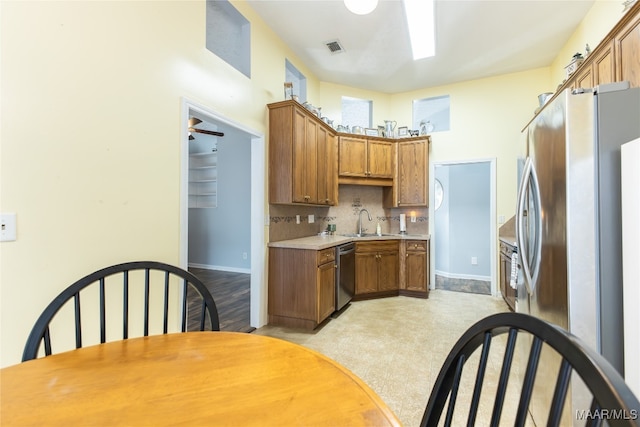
<point x="361" y="7"/>
<point x="422" y="27"/>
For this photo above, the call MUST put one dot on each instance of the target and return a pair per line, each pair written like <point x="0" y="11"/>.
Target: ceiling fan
<point x="194" y="121"/>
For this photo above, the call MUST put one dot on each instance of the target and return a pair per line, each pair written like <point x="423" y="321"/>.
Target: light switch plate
<point x="7" y="227"/>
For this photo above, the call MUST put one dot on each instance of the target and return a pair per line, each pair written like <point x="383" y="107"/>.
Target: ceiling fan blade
<point x="208" y="132"/>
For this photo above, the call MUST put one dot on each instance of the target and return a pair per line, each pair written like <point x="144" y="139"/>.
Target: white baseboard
<point x="220" y="268"/>
<point x="463" y="276"/>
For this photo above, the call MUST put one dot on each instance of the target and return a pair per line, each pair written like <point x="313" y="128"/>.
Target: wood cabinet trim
<point x="629" y="22"/>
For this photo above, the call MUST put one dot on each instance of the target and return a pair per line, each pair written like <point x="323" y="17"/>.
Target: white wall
<point x="630" y="255"/>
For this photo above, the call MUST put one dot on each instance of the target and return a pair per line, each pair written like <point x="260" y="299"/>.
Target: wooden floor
<point x="231" y="292"/>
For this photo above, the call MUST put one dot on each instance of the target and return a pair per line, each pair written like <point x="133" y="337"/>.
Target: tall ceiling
<point x="474" y="39"/>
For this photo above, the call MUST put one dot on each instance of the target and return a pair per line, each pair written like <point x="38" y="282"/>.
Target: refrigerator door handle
<point x="522" y="249"/>
<point x="537" y="255"/>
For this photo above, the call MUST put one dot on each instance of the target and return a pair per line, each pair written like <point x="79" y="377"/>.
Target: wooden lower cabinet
<point x="377" y="267"/>
<point x="301" y="286"/>
<point x="415" y="269"/>
<point x="508" y="293"/>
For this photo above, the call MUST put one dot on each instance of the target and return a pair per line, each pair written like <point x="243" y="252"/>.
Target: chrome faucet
<point x="360" y="220"/>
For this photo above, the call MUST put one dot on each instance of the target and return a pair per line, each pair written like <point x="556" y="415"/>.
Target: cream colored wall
<point x="90" y="154"/>
<point x="602" y="17"/>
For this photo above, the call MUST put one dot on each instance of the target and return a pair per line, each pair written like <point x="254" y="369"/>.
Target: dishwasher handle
<point x="346" y="249"/>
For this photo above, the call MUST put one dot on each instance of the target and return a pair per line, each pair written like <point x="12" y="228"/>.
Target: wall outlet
<point x="312" y="219"/>
<point x="297" y="219"/>
<point x="244" y="255"/>
<point x="474" y="260"/>
<point x="413" y="218"/>
<point x="7" y="227"/>
<point x="500" y="219"/>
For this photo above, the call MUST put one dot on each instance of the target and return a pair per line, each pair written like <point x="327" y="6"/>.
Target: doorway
<point x="222" y="205"/>
<point x="464" y="226"/>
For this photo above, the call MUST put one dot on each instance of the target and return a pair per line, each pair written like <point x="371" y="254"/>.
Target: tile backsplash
<point x="352" y="198"/>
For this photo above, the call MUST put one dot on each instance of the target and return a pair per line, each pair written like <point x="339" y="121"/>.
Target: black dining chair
<point x="611" y="399"/>
<point x="139" y="281"/>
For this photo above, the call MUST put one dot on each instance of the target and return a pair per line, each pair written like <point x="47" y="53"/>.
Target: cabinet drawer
<point x="417" y="245"/>
<point x="326" y="255"/>
<point x="377" y="246"/>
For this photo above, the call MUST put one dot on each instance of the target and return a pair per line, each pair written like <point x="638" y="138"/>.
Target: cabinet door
<point x="584" y="79"/>
<point x="311" y="162"/>
<point x="604" y="66"/>
<point x="326" y="291"/>
<point x="413" y="173"/>
<point x="388" y="268"/>
<point x="380" y="159"/>
<point x="299" y="156"/>
<point x="627" y="51"/>
<point x="416" y="265"/>
<point x="366" y="272"/>
<point x="327" y="162"/>
<point x="352" y="156"/>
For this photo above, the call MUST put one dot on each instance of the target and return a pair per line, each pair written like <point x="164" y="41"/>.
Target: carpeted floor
<point x="397" y="345"/>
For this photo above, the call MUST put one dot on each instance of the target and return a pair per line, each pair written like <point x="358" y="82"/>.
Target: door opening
<point x="464" y="226"/>
<point x="222" y="200"/>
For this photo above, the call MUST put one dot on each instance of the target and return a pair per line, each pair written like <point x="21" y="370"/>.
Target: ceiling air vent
<point x="334" y="46"/>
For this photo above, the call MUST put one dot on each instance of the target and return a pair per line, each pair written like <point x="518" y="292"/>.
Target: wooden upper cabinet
<point x="327" y="174"/>
<point x="599" y="69"/>
<point x="380" y="159"/>
<point x="352" y="156"/>
<point x="413" y="173"/>
<point x="302" y="157"/>
<point x="627" y="50"/>
<point x="365" y="158"/>
<point x="583" y="78"/>
<point x="411" y="183"/>
<point x="604" y="66"/>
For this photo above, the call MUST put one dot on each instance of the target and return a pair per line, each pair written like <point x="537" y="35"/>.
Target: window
<point x="229" y="35"/>
<point x="356" y="112"/>
<point x="293" y="75"/>
<point x="433" y="112"/>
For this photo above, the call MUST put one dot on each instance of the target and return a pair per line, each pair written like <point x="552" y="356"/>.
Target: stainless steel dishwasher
<point x="345" y="274"/>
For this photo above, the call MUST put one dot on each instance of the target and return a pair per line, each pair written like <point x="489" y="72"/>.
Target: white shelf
<point x="203" y="180"/>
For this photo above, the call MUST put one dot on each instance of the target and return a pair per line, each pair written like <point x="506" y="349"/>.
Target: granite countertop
<point x="507" y="233"/>
<point x="328" y="241"/>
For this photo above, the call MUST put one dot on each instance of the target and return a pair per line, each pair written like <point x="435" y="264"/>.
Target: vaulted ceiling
<point x="474" y="39"/>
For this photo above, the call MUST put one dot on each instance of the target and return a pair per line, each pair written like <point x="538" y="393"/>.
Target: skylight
<point x="422" y="28"/>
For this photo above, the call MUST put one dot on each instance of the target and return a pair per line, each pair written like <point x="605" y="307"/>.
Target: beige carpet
<point x="397" y="345"/>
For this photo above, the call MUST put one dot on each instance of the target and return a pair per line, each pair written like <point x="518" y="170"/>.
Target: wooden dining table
<point x="189" y="379"/>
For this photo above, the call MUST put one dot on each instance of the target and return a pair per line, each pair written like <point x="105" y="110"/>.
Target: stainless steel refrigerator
<point x="568" y="217"/>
